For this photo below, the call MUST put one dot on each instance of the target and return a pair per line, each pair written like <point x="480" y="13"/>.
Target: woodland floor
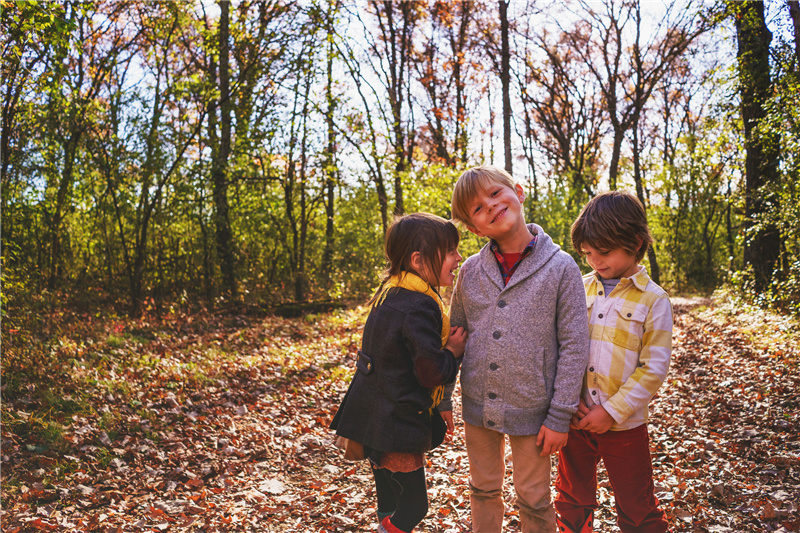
<point x="219" y="423"/>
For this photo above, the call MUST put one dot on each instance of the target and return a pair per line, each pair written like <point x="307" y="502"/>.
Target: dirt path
<point x="253" y="453"/>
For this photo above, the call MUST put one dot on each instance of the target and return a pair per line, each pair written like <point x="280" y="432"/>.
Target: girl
<point x="408" y="353"/>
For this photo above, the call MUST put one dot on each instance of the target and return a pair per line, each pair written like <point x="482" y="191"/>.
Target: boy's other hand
<point x="582" y="411"/>
<point x="551" y="441"/>
<point x="597" y="420"/>
<point x="457" y="341"/>
<point x="447" y="416"/>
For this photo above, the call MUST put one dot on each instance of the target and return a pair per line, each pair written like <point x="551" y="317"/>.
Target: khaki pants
<point x="531" y="474"/>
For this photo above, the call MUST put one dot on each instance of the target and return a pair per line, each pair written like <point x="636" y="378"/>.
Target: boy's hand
<point x="551" y="441"/>
<point x="582" y="411"/>
<point x="457" y="341"/>
<point x="448" y="420"/>
<point x="597" y="420"/>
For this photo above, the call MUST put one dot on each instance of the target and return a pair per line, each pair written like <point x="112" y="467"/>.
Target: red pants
<point x="626" y="455"/>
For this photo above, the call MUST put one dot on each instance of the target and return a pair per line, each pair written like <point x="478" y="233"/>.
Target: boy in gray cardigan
<point x="522" y="302"/>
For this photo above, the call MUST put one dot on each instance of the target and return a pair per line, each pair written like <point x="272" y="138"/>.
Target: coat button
<point x="629" y="315"/>
<point x="600" y="293"/>
<point x="496" y="335"/>
<point x="594" y="393"/>
<point x="490" y="423"/>
<point x="501" y="304"/>
<point x="591" y="369"/>
<point x="493" y="366"/>
<point x="600" y="315"/>
<point x="492" y="396"/>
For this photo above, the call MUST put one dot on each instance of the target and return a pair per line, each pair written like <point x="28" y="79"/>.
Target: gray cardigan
<point x="528" y="342"/>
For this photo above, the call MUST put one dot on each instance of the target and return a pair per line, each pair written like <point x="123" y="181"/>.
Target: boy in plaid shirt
<point x="630" y="324"/>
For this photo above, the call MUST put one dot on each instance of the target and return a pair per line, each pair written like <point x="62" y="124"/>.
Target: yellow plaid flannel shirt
<point x="630" y="348"/>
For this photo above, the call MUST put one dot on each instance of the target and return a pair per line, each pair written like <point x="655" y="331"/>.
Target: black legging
<point x="403" y="493"/>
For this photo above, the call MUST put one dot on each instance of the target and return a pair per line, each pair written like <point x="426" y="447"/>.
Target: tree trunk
<point x="655" y="272"/>
<point x="330" y="166"/>
<point x="65" y="184"/>
<point x="219" y="172"/>
<point x="505" y="79"/>
<point x="794" y="11"/>
<point x="762" y="247"/>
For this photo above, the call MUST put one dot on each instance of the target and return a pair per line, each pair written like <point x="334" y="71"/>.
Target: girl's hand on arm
<point x="457" y="341"/>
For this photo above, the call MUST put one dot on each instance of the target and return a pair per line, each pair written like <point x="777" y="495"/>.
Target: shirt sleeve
<point x="422" y="333"/>
<point x="653" y="364"/>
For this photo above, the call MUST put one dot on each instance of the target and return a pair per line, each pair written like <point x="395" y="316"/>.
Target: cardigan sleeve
<point x="572" y="324"/>
<point x="457" y="316"/>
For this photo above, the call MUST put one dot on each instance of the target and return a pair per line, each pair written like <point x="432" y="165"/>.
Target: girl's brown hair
<point x="610" y="221"/>
<point x="428" y="234"/>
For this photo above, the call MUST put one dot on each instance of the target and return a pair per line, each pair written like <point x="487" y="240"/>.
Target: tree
<point x="221" y="150"/>
<point x="763" y="244"/>
<point x="505" y="80"/>
<point x="563" y="115"/>
<point x="31" y="33"/>
<point x="78" y="75"/>
<point x="444" y="70"/>
<point x="393" y="48"/>
<point x="628" y="72"/>
<point x="330" y="170"/>
<point x="794" y="12"/>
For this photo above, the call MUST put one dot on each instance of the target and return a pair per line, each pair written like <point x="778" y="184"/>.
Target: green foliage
<point x="108" y="178"/>
<point x="700" y="196"/>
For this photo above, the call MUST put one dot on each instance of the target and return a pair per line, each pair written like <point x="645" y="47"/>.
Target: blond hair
<point x="471" y="183"/>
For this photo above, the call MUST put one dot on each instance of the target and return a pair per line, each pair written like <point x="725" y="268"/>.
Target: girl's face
<point x="449" y="265"/>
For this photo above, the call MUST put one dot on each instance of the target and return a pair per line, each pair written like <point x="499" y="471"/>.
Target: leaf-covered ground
<point x="219" y="423"/>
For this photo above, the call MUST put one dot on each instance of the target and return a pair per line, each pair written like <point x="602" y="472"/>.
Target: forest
<point x="194" y="197"/>
<point x="163" y="154"/>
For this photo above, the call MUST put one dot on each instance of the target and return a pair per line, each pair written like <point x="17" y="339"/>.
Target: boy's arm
<point x="642" y="385"/>
<point x="572" y="323"/>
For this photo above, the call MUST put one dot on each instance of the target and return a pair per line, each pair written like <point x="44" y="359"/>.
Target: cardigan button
<point x="496" y="335"/>
<point x="501" y="304"/>
<point x="629" y="315"/>
<point x="591" y="369"/>
<point x="493" y="366"/>
<point x="489" y="423"/>
<point x="600" y="315"/>
<point x="492" y="396"/>
<point x="594" y="393"/>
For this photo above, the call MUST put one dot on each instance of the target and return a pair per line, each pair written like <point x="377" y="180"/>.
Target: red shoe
<point x="387" y="527"/>
<point x="563" y="527"/>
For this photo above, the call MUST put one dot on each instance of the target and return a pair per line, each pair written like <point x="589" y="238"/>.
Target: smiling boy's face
<point x="496" y="211"/>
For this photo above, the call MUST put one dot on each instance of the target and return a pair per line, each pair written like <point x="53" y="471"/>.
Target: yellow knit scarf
<point x="412" y="282"/>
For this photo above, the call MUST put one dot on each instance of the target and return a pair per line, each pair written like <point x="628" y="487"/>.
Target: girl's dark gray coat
<point x="386" y="407"/>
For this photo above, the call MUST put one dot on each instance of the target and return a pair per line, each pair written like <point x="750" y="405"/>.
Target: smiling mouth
<point x="499" y="215"/>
